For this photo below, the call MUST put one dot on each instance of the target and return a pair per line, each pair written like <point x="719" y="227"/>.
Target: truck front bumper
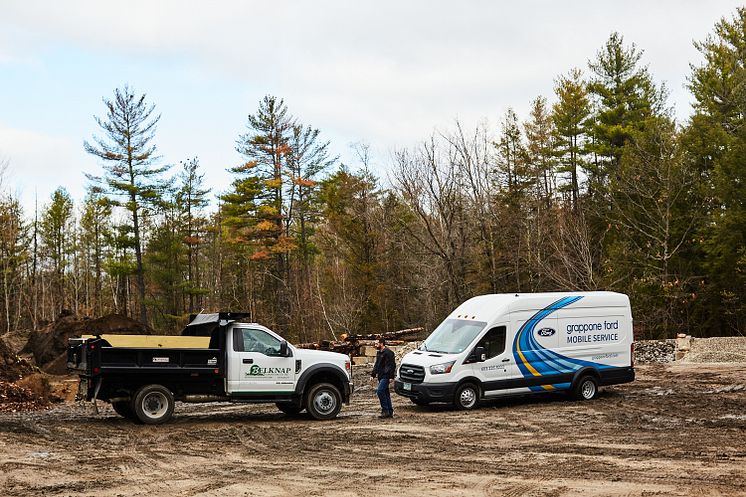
<point x="426" y="392"/>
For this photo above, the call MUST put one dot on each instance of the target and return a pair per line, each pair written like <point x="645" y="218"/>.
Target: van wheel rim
<point x="588" y="390"/>
<point x="324" y="402"/>
<point x="468" y="397"/>
<point x="154" y="405"/>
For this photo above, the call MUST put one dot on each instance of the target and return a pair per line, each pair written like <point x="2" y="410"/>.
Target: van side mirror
<point x="481" y="354"/>
<point x="284" y="349"/>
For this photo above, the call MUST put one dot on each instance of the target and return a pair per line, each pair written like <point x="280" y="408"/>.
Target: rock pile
<point x="654" y="351"/>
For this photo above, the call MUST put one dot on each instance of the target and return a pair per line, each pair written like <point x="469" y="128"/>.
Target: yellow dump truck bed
<point x="153" y="341"/>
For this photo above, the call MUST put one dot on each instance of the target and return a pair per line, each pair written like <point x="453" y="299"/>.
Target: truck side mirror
<point x="283" y="349"/>
<point x="481" y="354"/>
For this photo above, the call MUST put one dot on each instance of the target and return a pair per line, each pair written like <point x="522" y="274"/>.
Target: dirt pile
<point x="22" y="387"/>
<point x="49" y="344"/>
<point x="12" y="367"/>
<point x="15" y="398"/>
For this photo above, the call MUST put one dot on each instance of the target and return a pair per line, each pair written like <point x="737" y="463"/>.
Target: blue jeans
<point x="384" y="395"/>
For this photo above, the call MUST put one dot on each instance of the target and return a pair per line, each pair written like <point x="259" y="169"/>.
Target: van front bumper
<point x="426" y="392"/>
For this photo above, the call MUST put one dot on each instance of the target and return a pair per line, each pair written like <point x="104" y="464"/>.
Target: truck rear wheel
<point x="289" y="409"/>
<point x="323" y="401"/>
<point x="123" y="408"/>
<point x="586" y="388"/>
<point x="153" y="404"/>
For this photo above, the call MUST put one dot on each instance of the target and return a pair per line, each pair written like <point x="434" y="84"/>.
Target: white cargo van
<point x="507" y="344"/>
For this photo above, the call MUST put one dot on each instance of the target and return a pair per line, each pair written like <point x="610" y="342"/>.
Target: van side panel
<point x="544" y="368"/>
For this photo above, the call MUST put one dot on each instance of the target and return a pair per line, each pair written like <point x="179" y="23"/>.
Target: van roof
<point x="488" y="307"/>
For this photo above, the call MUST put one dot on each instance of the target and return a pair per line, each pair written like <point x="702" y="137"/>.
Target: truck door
<point x="493" y="370"/>
<point x="256" y="365"/>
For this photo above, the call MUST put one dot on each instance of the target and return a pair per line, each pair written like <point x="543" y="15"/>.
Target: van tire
<point x="586" y="388"/>
<point x="466" y="397"/>
<point x="153" y="404"/>
<point x="323" y="401"/>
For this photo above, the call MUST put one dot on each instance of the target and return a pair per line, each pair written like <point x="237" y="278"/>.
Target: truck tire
<point x="466" y="397"/>
<point x="289" y="408"/>
<point x="323" y="401"/>
<point x="586" y="388"/>
<point x="123" y="408"/>
<point x="153" y="404"/>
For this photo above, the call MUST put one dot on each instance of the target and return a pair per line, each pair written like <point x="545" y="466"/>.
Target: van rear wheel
<point x="586" y="388"/>
<point x="466" y="397"/>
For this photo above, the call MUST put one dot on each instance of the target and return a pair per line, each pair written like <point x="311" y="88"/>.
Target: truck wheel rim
<point x="324" y="402"/>
<point x="154" y="405"/>
<point x="468" y="397"/>
<point x="588" y="390"/>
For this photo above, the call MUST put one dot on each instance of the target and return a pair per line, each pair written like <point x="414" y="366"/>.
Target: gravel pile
<point x="717" y="349"/>
<point x="655" y="351"/>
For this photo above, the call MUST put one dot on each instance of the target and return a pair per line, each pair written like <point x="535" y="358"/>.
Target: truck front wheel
<point x="323" y="401"/>
<point x="153" y="404"/>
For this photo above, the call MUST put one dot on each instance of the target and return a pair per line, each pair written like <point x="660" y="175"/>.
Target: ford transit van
<point x="507" y="344"/>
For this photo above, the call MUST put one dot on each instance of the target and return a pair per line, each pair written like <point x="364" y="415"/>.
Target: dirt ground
<point x="680" y="429"/>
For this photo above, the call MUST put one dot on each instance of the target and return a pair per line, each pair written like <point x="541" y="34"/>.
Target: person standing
<point x="384" y="370"/>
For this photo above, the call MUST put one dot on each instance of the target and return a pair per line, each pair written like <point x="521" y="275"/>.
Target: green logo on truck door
<point x="260" y="371"/>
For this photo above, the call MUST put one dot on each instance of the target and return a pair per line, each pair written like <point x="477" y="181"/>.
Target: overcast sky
<point x="385" y="73"/>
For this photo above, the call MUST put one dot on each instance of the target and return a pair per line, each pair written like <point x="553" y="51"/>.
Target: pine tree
<point x="716" y="141"/>
<point x="570" y="115"/>
<point x="190" y="199"/>
<point x="95" y="241"/>
<point x="56" y="238"/>
<point x="540" y="156"/>
<point x="627" y="99"/>
<point x="130" y="180"/>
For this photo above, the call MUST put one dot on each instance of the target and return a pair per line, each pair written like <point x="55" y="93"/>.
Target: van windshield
<point x="453" y="336"/>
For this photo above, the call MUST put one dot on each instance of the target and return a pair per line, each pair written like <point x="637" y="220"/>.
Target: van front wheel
<point x="466" y="397"/>
<point x="586" y="388"/>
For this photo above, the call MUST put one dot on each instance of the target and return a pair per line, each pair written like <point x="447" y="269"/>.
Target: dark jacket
<point x="385" y="366"/>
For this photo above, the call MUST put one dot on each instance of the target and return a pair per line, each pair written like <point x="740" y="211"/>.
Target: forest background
<point x="597" y="188"/>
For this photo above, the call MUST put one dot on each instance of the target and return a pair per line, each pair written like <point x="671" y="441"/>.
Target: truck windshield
<point x="453" y="336"/>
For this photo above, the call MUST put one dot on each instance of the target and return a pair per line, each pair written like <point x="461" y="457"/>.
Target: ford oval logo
<point x="545" y="332"/>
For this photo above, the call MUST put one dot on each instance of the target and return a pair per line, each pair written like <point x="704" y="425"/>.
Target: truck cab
<point x="217" y="358"/>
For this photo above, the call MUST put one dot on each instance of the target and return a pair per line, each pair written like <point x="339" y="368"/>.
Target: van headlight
<point x="442" y="368"/>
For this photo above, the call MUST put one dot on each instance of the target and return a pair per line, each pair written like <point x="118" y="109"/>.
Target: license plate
<point x="406" y="386"/>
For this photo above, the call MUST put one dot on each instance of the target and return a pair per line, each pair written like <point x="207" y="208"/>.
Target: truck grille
<point x="411" y="373"/>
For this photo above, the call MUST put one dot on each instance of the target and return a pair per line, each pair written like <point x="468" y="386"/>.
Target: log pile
<point x="356" y="345"/>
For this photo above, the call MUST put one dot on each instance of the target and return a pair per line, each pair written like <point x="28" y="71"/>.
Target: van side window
<point x="494" y="341"/>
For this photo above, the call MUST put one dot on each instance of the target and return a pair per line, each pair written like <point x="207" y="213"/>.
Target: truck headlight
<point x="442" y="368"/>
